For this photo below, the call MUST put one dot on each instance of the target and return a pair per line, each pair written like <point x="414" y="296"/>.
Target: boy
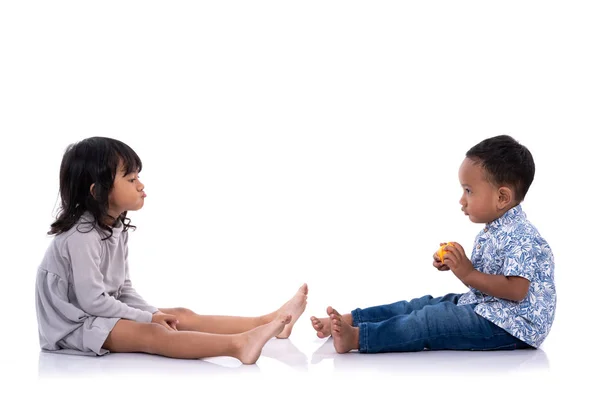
<point x="512" y="297"/>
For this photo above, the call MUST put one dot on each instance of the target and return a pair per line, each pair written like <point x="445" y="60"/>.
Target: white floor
<point x="285" y="355"/>
<point x="290" y="142"/>
<point x="304" y="365"/>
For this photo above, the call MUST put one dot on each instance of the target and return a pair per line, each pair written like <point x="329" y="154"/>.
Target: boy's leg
<point x="222" y="324"/>
<point x="381" y="313"/>
<point x="133" y="337"/>
<point x="387" y="311"/>
<point x="443" y="326"/>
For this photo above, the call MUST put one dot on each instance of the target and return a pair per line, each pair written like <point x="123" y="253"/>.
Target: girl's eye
<point x="132" y="180"/>
<point x="468" y="191"/>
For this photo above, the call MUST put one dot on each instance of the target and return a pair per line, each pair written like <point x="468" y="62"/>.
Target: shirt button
<point x="485" y="230"/>
<point x="478" y="246"/>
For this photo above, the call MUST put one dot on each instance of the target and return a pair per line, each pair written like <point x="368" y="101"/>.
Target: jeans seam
<point x="358" y="320"/>
<point x="456" y="335"/>
<point x="364" y="333"/>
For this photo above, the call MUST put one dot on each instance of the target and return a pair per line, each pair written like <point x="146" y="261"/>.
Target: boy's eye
<point x="132" y="180"/>
<point x="468" y="191"/>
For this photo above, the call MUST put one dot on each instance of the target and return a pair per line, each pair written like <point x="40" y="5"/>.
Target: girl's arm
<point x="128" y="294"/>
<point x="84" y="251"/>
<point x="132" y="298"/>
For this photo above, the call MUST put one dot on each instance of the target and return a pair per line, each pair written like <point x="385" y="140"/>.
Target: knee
<point x="182" y="313"/>
<point x="151" y="336"/>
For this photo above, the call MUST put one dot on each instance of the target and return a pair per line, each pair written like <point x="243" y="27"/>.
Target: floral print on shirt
<point x="512" y="246"/>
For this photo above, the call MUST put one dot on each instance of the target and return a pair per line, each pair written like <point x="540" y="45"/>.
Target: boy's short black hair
<point x="506" y="162"/>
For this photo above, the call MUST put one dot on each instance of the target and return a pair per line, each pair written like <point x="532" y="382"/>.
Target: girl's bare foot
<point x="252" y="342"/>
<point x="322" y="326"/>
<point x="295" y="307"/>
<point x="345" y="337"/>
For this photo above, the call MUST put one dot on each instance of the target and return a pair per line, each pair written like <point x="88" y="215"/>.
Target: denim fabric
<point x="429" y="323"/>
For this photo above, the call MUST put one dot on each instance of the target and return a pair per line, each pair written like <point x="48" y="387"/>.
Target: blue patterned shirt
<point x="512" y="246"/>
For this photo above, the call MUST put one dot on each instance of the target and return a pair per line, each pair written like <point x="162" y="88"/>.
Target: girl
<point x="84" y="298"/>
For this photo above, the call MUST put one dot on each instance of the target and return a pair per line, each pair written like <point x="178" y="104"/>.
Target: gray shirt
<point x="83" y="276"/>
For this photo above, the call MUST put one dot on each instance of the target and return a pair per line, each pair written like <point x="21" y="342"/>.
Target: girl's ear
<point x="505" y="197"/>
<point x="92" y="190"/>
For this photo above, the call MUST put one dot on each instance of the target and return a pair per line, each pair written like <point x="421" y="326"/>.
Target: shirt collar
<point x="514" y="214"/>
<point x="117" y="229"/>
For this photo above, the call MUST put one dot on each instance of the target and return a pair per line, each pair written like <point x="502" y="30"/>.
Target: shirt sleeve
<point x="84" y="251"/>
<point x="128" y="294"/>
<point x="519" y="259"/>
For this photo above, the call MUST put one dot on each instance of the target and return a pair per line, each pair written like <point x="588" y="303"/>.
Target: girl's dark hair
<point x="93" y="161"/>
<point x="506" y="162"/>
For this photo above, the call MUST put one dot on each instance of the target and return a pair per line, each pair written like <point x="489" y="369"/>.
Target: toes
<point x="304" y="288"/>
<point x="331" y="310"/>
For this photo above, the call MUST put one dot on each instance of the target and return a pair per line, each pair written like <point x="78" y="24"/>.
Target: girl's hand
<point x="438" y="263"/>
<point x="167" y="320"/>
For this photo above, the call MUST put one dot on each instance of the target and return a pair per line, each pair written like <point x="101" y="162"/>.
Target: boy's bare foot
<point x="345" y="337"/>
<point x="254" y="340"/>
<point x="295" y="307"/>
<point x="322" y="326"/>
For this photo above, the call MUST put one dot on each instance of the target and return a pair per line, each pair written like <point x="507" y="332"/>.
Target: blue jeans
<point x="429" y="323"/>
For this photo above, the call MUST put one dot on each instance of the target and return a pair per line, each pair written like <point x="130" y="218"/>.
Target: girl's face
<point x="481" y="200"/>
<point x="127" y="193"/>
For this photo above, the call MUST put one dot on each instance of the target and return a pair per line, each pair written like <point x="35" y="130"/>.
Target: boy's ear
<point x="505" y="197"/>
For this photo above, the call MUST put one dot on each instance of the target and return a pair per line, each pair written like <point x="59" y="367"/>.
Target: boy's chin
<point x="475" y="220"/>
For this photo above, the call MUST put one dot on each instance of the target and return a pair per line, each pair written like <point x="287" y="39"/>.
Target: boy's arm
<point x="513" y="288"/>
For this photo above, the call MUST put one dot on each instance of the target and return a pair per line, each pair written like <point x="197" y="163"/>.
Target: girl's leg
<point x="381" y="313"/>
<point x="222" y="324"/>
<point x="443" y="326"/>
<point x="133" y="337"/>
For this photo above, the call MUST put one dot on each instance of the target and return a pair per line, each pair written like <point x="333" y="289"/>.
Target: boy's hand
<point x="167" y="320"/>
<point x="458" y="262"/>
<point x="438" y="263"/>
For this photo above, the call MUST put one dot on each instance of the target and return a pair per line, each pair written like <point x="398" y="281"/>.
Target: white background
<point x="313" y="141"/>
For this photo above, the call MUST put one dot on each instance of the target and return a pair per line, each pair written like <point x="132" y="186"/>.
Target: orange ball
<point x="441" y="252"/>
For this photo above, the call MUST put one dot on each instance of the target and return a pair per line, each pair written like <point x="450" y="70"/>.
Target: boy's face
<point x="480" y="197"/>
